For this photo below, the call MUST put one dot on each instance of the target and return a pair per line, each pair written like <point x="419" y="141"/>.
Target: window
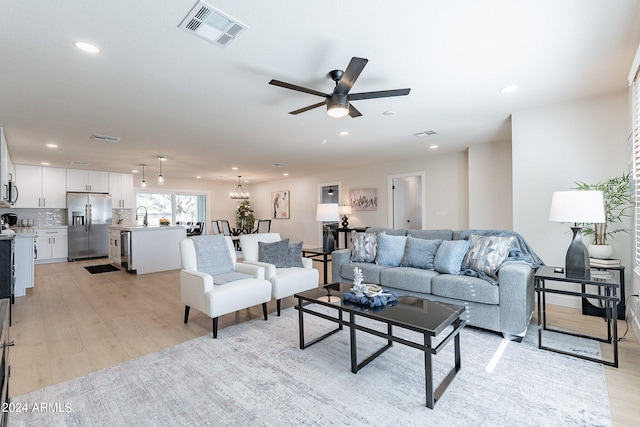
<point x="176" y="207"/>
<point x="636" y="156"/>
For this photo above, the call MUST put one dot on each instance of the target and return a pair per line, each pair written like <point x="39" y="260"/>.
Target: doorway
<point x="407" y="202"/>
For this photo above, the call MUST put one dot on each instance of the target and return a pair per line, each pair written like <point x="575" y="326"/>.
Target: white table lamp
<point x="327" y="213"/>
<point x="577" y="207"/>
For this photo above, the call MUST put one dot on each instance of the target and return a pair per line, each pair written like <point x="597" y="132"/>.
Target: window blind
<point x="636" y="163"/>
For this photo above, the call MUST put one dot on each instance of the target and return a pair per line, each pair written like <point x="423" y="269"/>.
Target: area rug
<point x="255" y="374"/>
<point x="104" y="268"/>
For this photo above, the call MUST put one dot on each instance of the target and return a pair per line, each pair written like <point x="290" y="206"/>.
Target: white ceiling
<point x="166" y="92"/>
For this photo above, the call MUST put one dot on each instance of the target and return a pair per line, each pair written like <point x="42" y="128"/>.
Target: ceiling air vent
<point x="212" y="25"/>
<point x="80" y="163"/>
<point x="425" y="133"/>
<point x="105" y="138"/>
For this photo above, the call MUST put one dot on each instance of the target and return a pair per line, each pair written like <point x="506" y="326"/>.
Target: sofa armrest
<point x="516" y="289"/>
<point x="338" y="259"/>
<point x="307" y="262"/>
<point x="256" y="271"/>
<point x="193" y="287"/>
<point x="269" y="269"/>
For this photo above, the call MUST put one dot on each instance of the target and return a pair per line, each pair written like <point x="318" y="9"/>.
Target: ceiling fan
<point x="338" y="102"/>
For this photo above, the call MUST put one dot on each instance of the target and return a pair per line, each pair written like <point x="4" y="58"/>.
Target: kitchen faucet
<point x="145" y="222"/>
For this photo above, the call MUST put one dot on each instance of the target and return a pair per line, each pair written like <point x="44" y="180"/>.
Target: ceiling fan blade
<point x="353" y="112"/>
<point x="310" y="107"/>
<point x="298" y="88"/>
<point x="355" y="67"/>
<point x="378" y="94"/>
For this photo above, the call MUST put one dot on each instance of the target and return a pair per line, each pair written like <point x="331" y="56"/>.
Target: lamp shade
<point x="577" y="206"/>
<point x="327" y="212"/>
<point x="345" y="210"/>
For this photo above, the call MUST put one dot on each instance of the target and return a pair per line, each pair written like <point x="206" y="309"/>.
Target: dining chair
<point x="226" y="230"/>
<point x="215" y="227"/>
<point x="264" y="226"/>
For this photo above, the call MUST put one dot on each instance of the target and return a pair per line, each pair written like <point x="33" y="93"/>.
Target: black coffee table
<point x="426" y="317"/>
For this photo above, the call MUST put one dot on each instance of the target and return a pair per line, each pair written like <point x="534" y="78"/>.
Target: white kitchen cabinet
<point x="24" y="263"/>
<point x="121" y="189"/>
<point x="6" y="167"/>
<point x="80" y="180"/>
<point x="52" y="245"/>
<point x="41" y="187"/>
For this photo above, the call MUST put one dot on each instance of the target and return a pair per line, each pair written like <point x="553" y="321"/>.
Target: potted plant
<point x="244" y="216"/>
<point x="617" y="203"/>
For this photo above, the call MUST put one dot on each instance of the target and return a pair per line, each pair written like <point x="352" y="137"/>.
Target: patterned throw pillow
<point x="364" y="247"/>
<point x="390" y="249"/>
<point x="487" y="253"/>
<point x="420" y="253"/>
<point x="449" y="256"/>
<point x="276" y="253"/>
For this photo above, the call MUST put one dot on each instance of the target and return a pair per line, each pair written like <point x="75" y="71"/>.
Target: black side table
<point x="592" y="310"/>
<point x="318" y="254"/>
<point x="607" y="293"/>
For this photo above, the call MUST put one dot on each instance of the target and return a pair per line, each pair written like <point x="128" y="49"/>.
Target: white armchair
<point x="198" y="290"/>
<point x="284" y="281"/>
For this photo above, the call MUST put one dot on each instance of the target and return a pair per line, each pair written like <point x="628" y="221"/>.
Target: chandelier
<point x="239" y="193"/>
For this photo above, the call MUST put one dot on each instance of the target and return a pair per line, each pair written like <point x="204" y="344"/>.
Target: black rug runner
<point x="104" y="268"/>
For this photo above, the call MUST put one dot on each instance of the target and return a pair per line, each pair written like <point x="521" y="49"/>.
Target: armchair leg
<point x="264" y="310"/>
<point x="215" y="327"/>
<point x="186" y="313"/>
<point x="278" y="306"/>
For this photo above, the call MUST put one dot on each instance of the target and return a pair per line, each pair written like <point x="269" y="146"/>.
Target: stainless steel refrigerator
<point x="89" y="218"/>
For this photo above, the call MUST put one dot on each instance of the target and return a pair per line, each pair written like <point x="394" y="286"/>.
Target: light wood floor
<point x="72" y="323"/>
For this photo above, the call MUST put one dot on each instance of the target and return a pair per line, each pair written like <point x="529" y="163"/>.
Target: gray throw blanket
<point x="213" y="257"/>
<point x="520" y="252"/>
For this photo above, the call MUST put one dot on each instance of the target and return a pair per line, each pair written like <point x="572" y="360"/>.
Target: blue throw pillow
<point x="449" y="256"/>
<point x="276" y="253"/>
<point x="390" y="249"/>
<point x="295" y="255"/>
<point x="420" y="253"/>
<point x="212" y="255"/>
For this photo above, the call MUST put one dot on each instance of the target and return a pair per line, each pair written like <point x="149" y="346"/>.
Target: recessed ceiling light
<point x="510" y="88"/>
<point x="285" y="174"/>
<point x="234" y="168"/>
<point x="343" y="132"/>
<point x="433" y="147"/>
<point x="52" y="145"/>
<point x="198" y="177"/>
<point x="45" y="163"/>
<point x="324" y="141"/>
<point x="134" y="171"/>
<point x="86" y="47"/>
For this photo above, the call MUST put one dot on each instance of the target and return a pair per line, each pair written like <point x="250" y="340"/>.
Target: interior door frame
<point x="423" y="195"/>
<point x="321" y="186"/>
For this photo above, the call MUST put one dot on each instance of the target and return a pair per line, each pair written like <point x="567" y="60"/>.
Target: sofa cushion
<point x="444" y="234"/>
<point x="390" y="249"/>
<point x="370" y="272"/>
<point x="407" y="279"/>
<point x="465" y="288"/>
<point x="295" y="255"/>
<point x="486" y="253"/>
<point x="420" y="253"/>
<point x="276" y="253"/>
<point x="449" y="256"/>
<point x="364" y="247"/>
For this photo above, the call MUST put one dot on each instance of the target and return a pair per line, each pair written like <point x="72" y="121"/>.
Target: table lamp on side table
<point x="327" y="213"/>
<point x="344" y="211"/>
<point x="577" y="207"/>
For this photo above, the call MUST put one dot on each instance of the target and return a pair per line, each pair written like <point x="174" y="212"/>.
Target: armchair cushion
<point x="276" y="253"/>
<point x="212" y="254"/>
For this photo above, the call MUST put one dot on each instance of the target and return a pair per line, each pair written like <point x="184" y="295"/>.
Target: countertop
<point x="148" y="228"/>
<point x="20" y="232"/>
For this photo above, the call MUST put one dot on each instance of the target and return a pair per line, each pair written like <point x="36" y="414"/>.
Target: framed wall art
<point x="280" y="204"/>
<point x="365" y="199"/>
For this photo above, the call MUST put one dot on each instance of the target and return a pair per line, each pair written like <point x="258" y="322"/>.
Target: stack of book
<point x="604" y="263"/>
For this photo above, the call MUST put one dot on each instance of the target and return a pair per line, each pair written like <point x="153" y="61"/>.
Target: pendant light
<point x="161" y="175"/>
<point x="239" y="193"/>
<point x="144" y="181"/>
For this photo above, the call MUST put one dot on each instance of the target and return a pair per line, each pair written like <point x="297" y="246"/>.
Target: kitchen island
<point x="149" y="249"/>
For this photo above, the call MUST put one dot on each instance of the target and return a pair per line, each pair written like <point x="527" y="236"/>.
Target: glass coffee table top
<point x="410" y="312"/>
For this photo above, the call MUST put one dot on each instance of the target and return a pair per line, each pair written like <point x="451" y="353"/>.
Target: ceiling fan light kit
<point x="338" y="102"/>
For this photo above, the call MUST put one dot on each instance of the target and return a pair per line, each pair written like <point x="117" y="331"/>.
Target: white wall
<point x="490" y="186"/>
<point x="554" y="146"/>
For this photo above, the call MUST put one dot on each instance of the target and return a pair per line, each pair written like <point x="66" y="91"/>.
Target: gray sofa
<point x="505" y="306"/>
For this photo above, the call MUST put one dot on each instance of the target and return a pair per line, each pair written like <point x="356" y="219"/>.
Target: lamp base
<point x="577" y="265"/>
<point x="345" y="222"/>
<point x="328" y="242"/>
<point x="330" y="298"/>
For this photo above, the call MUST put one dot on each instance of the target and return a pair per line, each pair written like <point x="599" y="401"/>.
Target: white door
<point x="407" y="205"/>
